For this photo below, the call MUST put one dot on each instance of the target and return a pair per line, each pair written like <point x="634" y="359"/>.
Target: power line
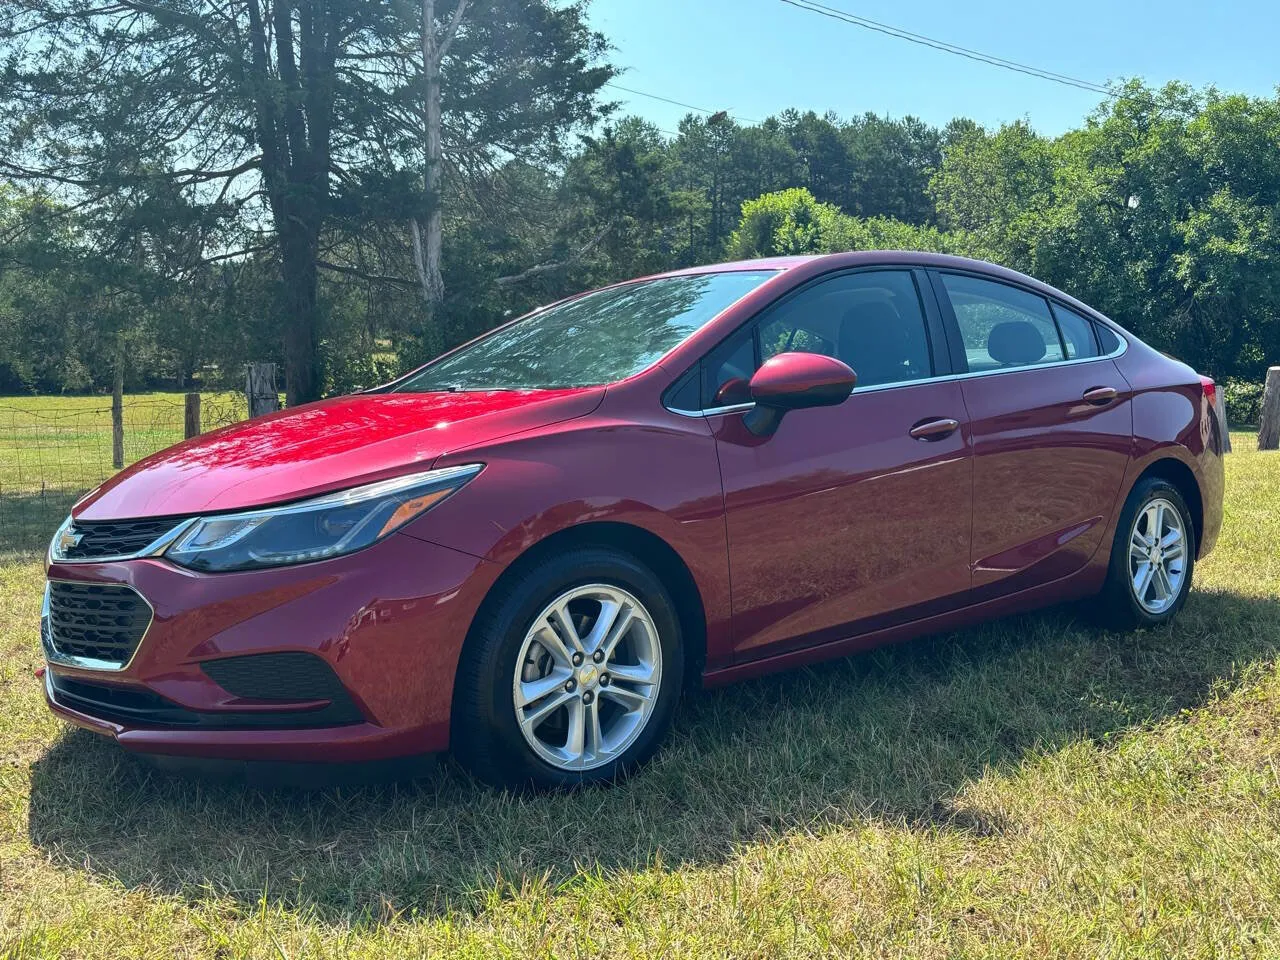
<point x="945" y="47"/>
<point x="677" y="103"/>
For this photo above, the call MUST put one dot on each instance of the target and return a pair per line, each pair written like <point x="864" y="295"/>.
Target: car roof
<point x="851" y="258"/>
<point x="816" y="264"/>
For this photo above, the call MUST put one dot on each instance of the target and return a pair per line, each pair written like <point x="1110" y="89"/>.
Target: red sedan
<point x="524" y="550"/>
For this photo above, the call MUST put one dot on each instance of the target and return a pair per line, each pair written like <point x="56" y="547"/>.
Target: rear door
<point x="1052" y="428"/>
<point x="852" y="517"/>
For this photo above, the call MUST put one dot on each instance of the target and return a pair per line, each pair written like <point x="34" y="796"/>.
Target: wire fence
<point x="55" y="449"/>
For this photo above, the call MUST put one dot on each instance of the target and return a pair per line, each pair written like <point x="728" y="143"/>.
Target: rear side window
<point x="1077" y="333"/>
<point x="1002" y="327"/>
<point x="1107" y="339"/>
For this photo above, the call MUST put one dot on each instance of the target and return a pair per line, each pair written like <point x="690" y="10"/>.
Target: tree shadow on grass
<point x="28" y="519"/>
<point x="888" y="736"/>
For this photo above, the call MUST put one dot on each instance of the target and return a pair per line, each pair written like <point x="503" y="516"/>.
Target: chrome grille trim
<point x="49" y="643"/>
<point x="57" y="548"/>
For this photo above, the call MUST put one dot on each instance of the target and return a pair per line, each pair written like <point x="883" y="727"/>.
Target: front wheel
<point x="1152" y="558"/>
<point x="571" y="673"/>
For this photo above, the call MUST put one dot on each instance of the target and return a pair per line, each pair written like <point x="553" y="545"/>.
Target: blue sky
<point x="756" y="57"/>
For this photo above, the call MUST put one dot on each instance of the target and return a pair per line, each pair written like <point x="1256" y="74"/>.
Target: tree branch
<point x="451" y="31"/>
<point x="373" y="277"/>
<point x="540" y="269"/>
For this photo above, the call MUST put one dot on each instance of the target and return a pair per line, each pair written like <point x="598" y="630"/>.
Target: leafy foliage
<point x="140" y="224"/>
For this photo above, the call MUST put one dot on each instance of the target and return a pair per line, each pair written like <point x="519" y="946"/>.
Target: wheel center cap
<point x="588" y="675"/>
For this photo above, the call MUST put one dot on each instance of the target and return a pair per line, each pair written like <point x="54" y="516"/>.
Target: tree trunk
<point x="292" y="114"/>
<point x="427" y="241"/>
<point x="1269" y="427"/>
<point x="302" y="315"/>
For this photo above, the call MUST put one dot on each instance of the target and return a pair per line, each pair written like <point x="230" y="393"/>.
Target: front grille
<point x="112" y="538"/>
<point x="95" y="621"/>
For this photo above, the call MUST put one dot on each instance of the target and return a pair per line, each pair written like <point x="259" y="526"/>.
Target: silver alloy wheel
<point x="587" y="677"/>
<point x="1157" y="556"/>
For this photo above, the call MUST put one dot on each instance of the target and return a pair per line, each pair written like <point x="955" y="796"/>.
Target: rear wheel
<point x="1152" y="558"/>
<point x="570" y="674"/>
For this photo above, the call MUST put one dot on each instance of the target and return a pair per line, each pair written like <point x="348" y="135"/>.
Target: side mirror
<point x="793" y="381"/>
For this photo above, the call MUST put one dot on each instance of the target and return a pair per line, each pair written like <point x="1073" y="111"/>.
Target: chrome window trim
<point x="1114" y="354"/>
<point x="712" y="411"/>
<point x="153" y="549"/>
<point x="55" y="658"/>
<point x="897" y="384"/>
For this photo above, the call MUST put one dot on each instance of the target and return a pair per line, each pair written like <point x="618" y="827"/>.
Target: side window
<point x="1001" y="326"/>
<point x="1077" y="333"/>
<point x="871" y="320"/>
<point x="727" y="368"/>
<point x="1107" y="338"/>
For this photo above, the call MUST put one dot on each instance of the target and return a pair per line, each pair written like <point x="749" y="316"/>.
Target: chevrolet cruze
<point x="525" y="550"/>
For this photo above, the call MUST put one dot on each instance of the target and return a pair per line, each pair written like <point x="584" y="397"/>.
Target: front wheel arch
<point x="487" y="737"/>
<point x="645" y="546"/>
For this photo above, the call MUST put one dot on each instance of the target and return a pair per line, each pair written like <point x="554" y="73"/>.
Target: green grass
<point x="1034" y="787"/>
<point x="53" y="449"/>
<point x="53" y="441"/>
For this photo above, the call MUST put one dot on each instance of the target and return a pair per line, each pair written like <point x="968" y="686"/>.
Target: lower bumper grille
<point x="93" y="624"/>
<point x="140" y="708"/>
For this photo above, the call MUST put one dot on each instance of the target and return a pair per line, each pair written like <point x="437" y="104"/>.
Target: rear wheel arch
<point x="1174" y="471"/>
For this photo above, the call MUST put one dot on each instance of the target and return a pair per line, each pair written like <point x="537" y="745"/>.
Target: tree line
<point x="350" y="188"/>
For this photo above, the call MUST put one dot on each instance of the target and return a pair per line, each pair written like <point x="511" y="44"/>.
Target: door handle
<point x="935" y="429"/>
<point x="1099" y="396"/>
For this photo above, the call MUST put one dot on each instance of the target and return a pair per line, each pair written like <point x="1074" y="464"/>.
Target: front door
<point x="853" y="517"/>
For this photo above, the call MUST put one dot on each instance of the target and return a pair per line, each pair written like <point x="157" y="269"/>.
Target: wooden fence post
<point x="260" y="389"/>
<point x="191" y="418"/>
<point x="1269" y="425"/>
<point x="117" y="417"/>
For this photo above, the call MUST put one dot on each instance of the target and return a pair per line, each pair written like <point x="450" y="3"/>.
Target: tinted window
<point x="1107" y="338"/>
<point x="1077" y="332"/>
<point x="685" y="393"/>
<point x="870" y="320"/>
<point x="597" y="338"/>
<point x="1001" y="326"/>
<point x="727" y="368"/>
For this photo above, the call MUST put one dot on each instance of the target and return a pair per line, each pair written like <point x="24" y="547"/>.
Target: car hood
<point x="324" y="446"/>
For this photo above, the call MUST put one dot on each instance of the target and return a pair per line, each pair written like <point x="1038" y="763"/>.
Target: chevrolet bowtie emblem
<point x="68" y="541"/>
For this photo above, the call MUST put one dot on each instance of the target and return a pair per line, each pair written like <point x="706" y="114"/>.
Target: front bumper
<point x="388" y="622"/>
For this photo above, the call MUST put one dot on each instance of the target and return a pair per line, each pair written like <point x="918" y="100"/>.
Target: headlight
<point x="317" y="529"/>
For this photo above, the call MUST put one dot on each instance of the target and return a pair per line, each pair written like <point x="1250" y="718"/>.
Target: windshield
<point x="595" y="339"/>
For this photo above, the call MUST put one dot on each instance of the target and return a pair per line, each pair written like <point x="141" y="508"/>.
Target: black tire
<point x="486" y="736"/>
<point x="1120" y="607"/>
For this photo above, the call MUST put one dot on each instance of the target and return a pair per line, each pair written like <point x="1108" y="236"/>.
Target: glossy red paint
<point x="323" y="446"/>
<point x="903" y="509"/>
<point x="368" y="615"/>
<point x="828" y="536"/>
<point x="1046" y="472"/>
<point x="791" y="381"/>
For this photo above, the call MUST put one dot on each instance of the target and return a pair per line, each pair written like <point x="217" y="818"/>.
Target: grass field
<point x="52" y="449"/>
<point x="1031" y="788"/>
